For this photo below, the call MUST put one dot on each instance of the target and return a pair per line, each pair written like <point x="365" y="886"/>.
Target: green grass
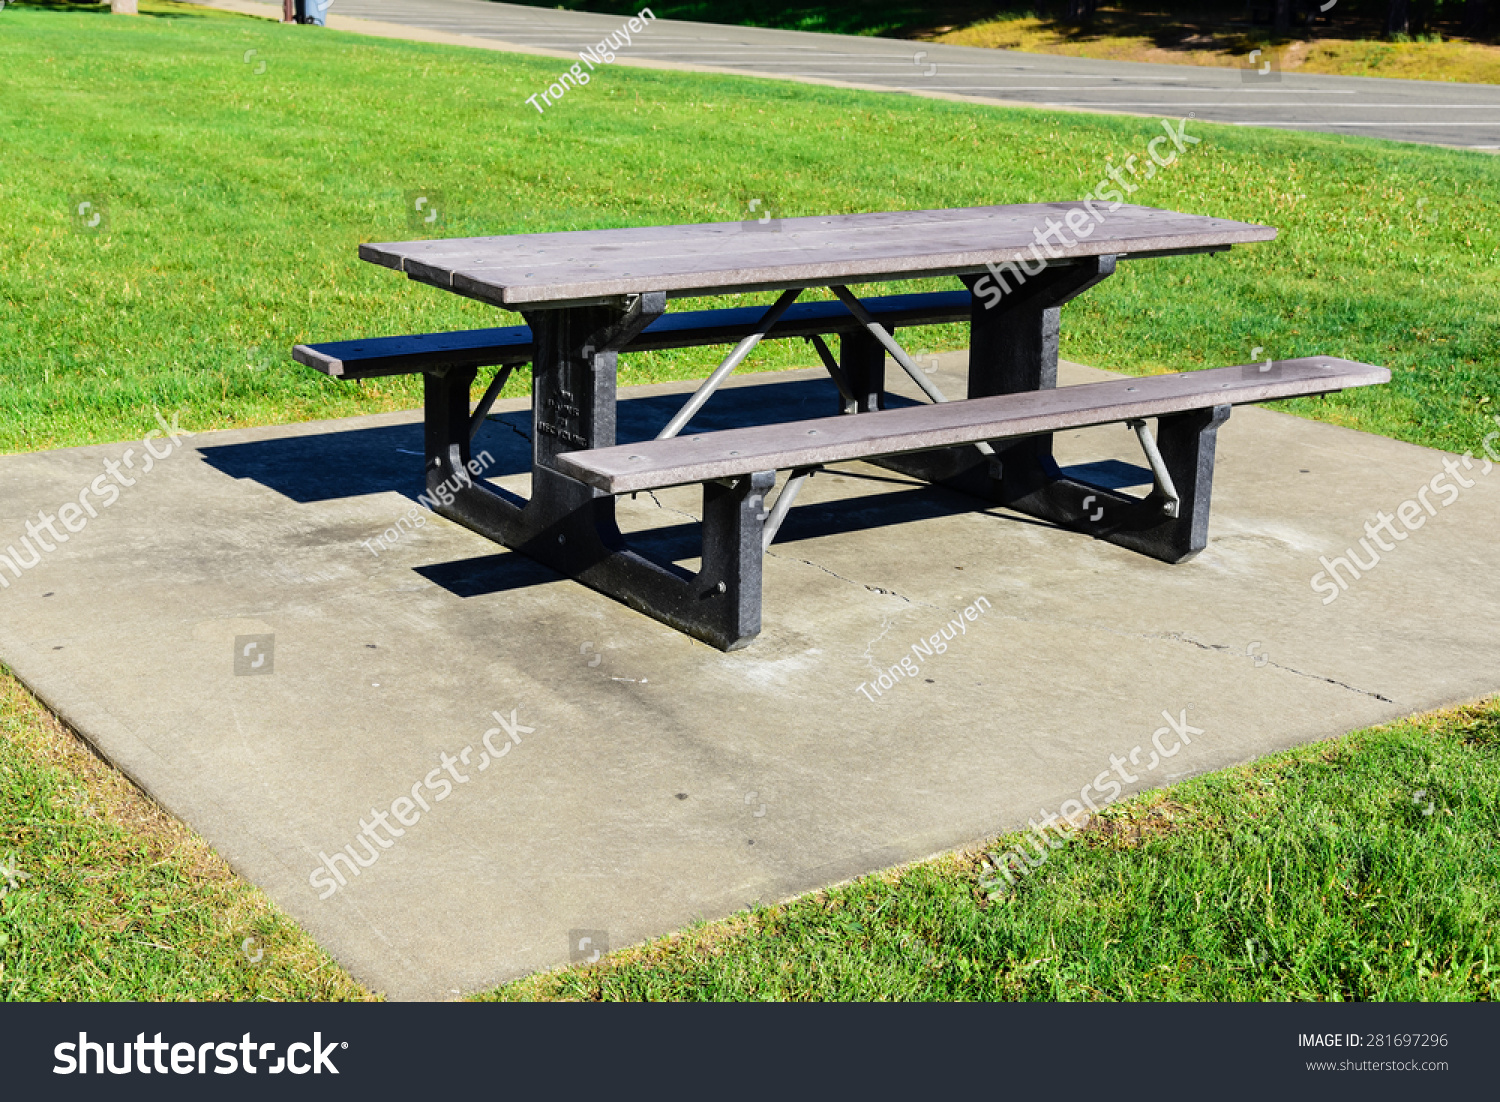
<point x="1316" y="874"/>
<point x="236" y="201"/>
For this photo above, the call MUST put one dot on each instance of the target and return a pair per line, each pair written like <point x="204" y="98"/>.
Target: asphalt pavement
<point x="1256" y="94"/>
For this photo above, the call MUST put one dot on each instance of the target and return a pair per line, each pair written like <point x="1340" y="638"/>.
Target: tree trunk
<point x="1081" y="11"/>
<point x="1476" y="16"/>
<point x="1398" y="17"/>
<point x="1283" y="23"/>
<point x="123" y="7"/>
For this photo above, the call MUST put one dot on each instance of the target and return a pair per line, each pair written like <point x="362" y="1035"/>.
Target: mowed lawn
<point x="235" y="165"/>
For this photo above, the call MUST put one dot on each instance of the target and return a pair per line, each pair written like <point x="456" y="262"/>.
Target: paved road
<point x="1401" y="110"/>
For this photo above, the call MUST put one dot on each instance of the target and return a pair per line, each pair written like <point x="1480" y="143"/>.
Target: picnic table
<point x="587" y="296"/>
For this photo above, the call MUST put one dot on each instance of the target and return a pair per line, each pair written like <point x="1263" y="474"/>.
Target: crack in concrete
<point x="885" y="629"/>
<point x="501" y="420"/>
<point x="1332" y="681"/>
<point x="864" y="585"/>
<point x="1177" y="636"/>
<point x="657" y="502"/>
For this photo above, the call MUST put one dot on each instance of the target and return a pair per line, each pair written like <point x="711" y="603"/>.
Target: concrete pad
<point x="658" y="780"/>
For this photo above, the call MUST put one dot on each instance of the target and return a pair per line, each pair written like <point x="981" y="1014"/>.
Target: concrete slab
<point x="658" y="780"/>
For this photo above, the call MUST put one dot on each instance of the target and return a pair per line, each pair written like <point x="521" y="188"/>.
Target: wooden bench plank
<point x="587" y="265"/>
<point x="656" y="464"/>
<point x="370" y="358"/>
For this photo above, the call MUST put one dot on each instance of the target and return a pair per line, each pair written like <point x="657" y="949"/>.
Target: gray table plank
<point x="557" y="269"/>
<point x="654" y="464"/>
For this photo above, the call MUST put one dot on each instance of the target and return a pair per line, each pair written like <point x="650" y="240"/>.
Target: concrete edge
<point x="99" y="728"/>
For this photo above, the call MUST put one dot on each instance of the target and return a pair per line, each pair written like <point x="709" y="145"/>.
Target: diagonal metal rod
<point x="835" y="372"/>
<point x="898" y="353"/>
<point x="783" y="504"/>
<point x="1158" y="468"/>
<point x="487" y="403"/>
<point x="732" y="361"/>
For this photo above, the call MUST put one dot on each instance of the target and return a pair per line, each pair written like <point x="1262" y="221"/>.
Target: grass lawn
<point x="231" y="197"/>
<point x="231" y="202"/>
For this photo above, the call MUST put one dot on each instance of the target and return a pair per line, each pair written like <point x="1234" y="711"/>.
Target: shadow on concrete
<point x="339" y="464"/>
<point x="1112" y="474"/>
<point x="498" y="573"/>
<point x="682" y="544"/>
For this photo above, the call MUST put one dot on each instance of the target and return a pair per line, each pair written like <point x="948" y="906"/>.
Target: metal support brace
<point x="487" y="403"/>
<point x="879" y="332"/>
<point x="783" y="504"/>
<point x="898" y="353"/>
<point x="835" y="372"/>
<point x="1158" y="468"/>
<point x="709" y="385"/>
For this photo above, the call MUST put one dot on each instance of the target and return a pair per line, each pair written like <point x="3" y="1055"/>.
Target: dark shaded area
<point x="331" y="465"/>
<point x="327" y="466"/>
<point x="679" y="543"/>
<point x="499" y="573"/>
<point x="1111" y="474"/>
<point x="352" y="463"/>
<point x="1203" y="24"/>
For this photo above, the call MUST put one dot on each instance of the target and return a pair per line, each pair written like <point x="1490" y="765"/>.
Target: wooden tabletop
<point x="560" y="269"/>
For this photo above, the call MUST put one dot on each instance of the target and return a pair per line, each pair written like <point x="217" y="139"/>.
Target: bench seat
<point x="732" y="453"/>
<point x="368" y="359"/>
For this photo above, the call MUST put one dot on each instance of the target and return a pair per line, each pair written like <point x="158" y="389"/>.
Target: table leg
<point x="862" y="359"/>
<point x="570" y="526"/>
<point x="1013" y="348"/>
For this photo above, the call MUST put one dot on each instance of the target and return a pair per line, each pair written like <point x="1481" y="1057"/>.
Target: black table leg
<point x="570" y="526"/>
